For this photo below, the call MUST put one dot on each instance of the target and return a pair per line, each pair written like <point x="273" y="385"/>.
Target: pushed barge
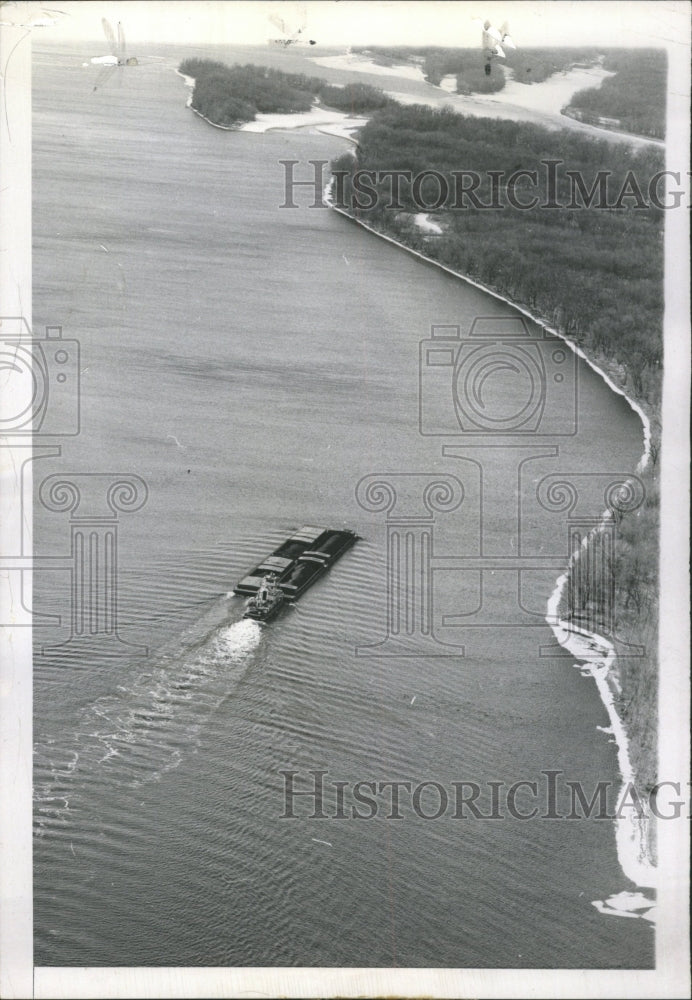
<point x="292" y="568"/>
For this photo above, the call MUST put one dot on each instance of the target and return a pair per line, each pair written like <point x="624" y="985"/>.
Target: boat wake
<point x="240" y="638"/>
<point x="145" y="728"/>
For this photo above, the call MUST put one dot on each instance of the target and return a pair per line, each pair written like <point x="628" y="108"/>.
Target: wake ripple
<point x="144" y="729"/>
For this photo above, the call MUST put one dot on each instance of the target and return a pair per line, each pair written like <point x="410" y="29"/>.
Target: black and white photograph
<point x="344" y="586"/>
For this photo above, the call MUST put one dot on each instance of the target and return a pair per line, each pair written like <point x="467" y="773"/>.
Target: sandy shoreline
<point x="330" y="122"/>
<point x="595" y="654"/>
<point x="357" y="63"/>
<point x="597" y="659"/>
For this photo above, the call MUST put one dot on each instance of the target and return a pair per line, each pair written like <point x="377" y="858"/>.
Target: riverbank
<point x="607" y="372"/>
<point x="634" y="831"/>
<point x="573" y="115"/>
<point x="635" y="835"/>
<point x="190" y="82"/>
<point x="335" y="123"/>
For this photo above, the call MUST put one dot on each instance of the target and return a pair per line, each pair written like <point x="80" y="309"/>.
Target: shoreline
<point x="598" y="659"/>
<point x="633" y="404"/>
<point x="329" y="122"/>
<point x="611" y="128"/>
<point x="596" y="655"/>
<point x="190" y="82"/>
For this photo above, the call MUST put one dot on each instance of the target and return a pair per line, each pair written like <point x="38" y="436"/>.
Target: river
<point x="252" y="365"/>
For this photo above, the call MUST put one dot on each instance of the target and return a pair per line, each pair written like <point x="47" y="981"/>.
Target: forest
<point x="232" y="95"/>
<point x="635" y="97"/>
<point x="595" y="273"/>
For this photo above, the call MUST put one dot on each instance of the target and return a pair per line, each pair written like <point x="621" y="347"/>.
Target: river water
<point x="252" y="365"/>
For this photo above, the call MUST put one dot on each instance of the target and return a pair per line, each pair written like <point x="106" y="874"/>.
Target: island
<point x="229" y="96"/>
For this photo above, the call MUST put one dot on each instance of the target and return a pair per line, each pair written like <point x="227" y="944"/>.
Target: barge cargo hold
<point x="299" y="561"/>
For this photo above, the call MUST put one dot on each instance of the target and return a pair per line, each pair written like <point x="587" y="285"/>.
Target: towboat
<point x="296" y="564"/>
<point x="267" y="602"/>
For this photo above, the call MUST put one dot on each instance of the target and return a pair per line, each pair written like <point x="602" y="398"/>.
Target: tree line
<point x="594" y="272"/>
<point x="627" y="579"/>
<point x="635" y="97"/>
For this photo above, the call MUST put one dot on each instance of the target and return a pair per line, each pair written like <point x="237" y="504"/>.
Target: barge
<point x="294" y="566"/>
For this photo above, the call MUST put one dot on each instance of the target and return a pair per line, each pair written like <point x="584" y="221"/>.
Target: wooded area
<point x="232" y="95"/>
<point x="635" y="97"/>
<point x="594" y="272"/>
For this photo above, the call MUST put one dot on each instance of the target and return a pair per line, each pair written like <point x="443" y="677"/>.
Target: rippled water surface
<point x="252" y="365"/>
